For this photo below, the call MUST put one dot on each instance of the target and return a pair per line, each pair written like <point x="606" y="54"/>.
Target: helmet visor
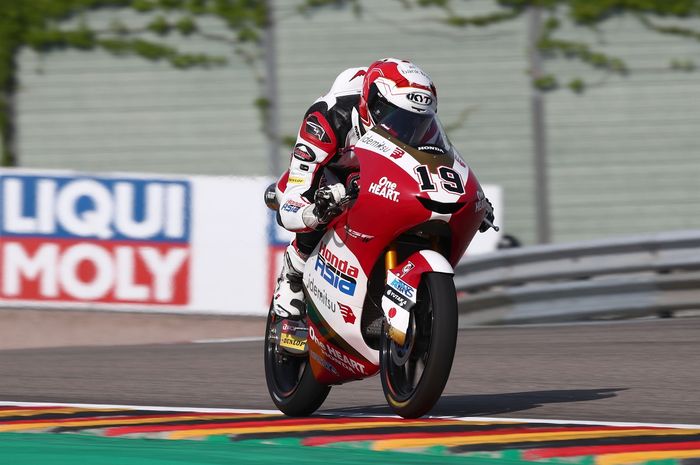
<point x="414" y="129"/>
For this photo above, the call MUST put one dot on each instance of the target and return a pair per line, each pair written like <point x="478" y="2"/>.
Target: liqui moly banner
<point x="99" y="239"/>
<point x="153" y="243"/>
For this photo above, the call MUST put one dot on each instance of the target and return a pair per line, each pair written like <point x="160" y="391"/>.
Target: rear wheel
<point x="414" y="374"/>
<point x="290" y="381"/>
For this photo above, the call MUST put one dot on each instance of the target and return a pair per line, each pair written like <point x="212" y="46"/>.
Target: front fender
<point x="401" y="289"/>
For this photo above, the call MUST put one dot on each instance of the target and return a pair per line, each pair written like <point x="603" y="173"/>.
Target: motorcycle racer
<point x="331" y="127"/>
<point x="309" y="196"/>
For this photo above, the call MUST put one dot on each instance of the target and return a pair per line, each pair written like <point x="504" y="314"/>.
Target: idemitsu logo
<point x="94" y="239"/>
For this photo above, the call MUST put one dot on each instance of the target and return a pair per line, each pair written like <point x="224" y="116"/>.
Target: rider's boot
<point x="288" y="298"/>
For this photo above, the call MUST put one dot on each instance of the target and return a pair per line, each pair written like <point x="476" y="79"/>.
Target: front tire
<point x="290" y="381"/>
<point x="415" y="374"/>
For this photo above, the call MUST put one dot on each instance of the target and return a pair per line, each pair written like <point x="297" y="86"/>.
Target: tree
<point x="41" y="25"/>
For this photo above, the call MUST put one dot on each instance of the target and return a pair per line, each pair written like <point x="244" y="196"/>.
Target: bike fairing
<point x="339" y="246"/>
<point x="333" y="270"/>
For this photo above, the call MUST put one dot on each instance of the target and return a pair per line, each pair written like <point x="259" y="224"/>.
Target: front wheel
<point x="290" y="381"/>
<point x="414" y="374"/>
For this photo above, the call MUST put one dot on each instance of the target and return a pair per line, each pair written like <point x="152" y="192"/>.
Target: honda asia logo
<point x="292" y="206"/>
<point x="338" y="273"/>
<point x="420" y="99"/>
<point x="94" y="239"/>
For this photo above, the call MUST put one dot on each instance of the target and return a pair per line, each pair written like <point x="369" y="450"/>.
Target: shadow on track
<point x="494" y="404"/>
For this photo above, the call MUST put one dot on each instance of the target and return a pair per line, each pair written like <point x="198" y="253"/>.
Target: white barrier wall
<point x="140" y="242"/>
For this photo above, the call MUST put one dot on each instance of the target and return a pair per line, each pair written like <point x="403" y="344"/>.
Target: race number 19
<point x="450" y="180"/>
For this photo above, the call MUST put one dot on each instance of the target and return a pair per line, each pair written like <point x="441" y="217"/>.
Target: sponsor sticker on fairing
<point x="347" y="313"/>
<point x="401" y="287"/>
<point x="397" y="153"/>
<point x="336" y="272"/>
<point x="406" y="268"/>
<point x="431" y="148"/>
<point x="337" y="357"/>
<point x="375" y="143"/>
<point x="357" y="235"/>
<point x="396" y="298"/>
<point x="320" y="295"/>
<point x="94" y="239"/>
<point x="385" y="188"/>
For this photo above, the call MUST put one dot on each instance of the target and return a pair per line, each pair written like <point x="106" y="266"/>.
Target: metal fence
<point x="620" y="278"/>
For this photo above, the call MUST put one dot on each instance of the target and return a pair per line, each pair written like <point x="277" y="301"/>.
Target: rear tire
<point x="415" y="374"/>
<point x="290" y="381"/>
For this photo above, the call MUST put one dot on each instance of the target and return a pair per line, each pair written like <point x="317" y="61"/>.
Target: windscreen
<point x="414" y="129"/>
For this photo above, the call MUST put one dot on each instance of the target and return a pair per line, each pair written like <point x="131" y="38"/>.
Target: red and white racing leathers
<point x="330" y="129"/>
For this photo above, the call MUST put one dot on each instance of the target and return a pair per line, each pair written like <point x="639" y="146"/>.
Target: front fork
<point x="401" y="289"/>
<point x="390" y="257"/>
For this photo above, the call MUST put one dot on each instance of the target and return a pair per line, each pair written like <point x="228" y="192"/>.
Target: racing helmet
<point x="391" y="84"/>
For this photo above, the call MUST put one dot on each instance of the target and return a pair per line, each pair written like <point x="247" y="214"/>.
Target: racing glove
<point x="488" y="218"/>
<point x="327" y="205"/>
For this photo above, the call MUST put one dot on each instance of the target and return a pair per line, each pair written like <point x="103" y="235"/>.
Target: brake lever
<point x="491" y="225"/>
<point x="347" y="199"/>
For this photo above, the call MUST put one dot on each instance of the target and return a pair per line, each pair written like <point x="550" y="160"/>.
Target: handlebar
<point x="491" y="225"/>
<point x="352" y="187"/>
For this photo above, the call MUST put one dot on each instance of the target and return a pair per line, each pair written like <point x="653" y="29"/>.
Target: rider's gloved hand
<point x="326" y="206"/>
<point x="488" y="218"/>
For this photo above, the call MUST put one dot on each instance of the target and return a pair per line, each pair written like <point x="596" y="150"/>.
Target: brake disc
<point x="401" y="354"/>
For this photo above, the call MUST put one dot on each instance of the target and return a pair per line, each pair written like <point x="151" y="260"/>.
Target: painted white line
<point x="277" y="412"/>
<point x="137" y="407"/>
<point x="232" y="339"/>
<point x="639" y="320"/>
<point x="579" y="422"/>
<point x="528" y="420"/>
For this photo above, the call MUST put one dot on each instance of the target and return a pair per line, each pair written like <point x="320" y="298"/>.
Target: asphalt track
<point x="633" y="371"/>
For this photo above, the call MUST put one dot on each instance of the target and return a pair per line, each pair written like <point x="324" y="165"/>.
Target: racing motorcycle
<point x="379" y="285"/>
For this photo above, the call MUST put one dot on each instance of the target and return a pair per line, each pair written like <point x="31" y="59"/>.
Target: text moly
<point x="36" y="270"/>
